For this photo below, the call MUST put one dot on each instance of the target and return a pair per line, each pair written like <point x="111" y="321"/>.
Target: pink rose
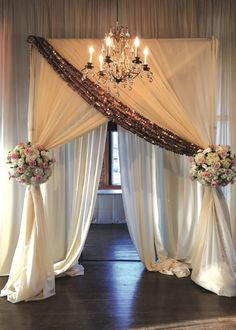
<point x="14" y="155"/>
<point x="45" y="165"/>
<point x="27" y="151"/>
<point x="202" y="161"/>
<point x="206" y="174"/>
<point x="38" y="177"/>
<point x="223" y="154"/>
<point x="32" y="163"/>
<point x="213" y="184"/>
<point x="40" y="147"/>
<point x="217" y="165"/>
<point x="21" y="169"/>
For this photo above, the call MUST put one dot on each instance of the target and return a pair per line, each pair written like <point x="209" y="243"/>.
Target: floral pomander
<point x="30" y="164"/>
<point x="214" y="166"/>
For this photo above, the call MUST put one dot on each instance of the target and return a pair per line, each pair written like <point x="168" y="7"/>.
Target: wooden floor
<point x="109" y="243"/>
<point x="120" y="295"/>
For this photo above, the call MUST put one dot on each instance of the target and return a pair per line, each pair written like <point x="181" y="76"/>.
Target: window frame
<point x="106" y="175"/>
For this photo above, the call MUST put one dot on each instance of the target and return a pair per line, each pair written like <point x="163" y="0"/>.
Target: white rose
<point x="20" y="162"/>
<point x="14" y="162"/>
<point x="38" y="171"/>
<point x="207" y="150"/>
<point x="44" y="153"/>
<point x="39" y="161"/>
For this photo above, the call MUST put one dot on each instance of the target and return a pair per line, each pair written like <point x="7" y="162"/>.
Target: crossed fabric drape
<point x="166" y="109"/>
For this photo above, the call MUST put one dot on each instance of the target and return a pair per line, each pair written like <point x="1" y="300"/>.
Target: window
<point x="110" y="176"/>
<point x="115" y="164"/>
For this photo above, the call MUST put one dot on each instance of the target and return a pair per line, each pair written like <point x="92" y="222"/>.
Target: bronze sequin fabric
<point x="110" y="106"/>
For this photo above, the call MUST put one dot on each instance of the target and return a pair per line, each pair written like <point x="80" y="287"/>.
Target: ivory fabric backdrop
<point x="189" y="19"/>
<point x="171" y="101"/>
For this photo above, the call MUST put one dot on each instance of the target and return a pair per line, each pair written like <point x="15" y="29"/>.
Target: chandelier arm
<point x="133" y="73"/>
<point x="109" y="105"/>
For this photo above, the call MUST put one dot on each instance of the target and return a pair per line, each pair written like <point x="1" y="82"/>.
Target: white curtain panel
<point x="31" y="275"/>
<point x="214" y="257"/>
<point x="88" y="159"/>
<point x="56" y="116"/>
<point x="190" y="78"/>
<point x="161" y="204"/>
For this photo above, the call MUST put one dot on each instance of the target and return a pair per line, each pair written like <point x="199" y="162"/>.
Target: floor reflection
<point x="125" y="283"/>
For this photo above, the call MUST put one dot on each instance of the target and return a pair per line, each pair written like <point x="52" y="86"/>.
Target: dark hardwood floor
<point x="120" y="295"/>
<point x="110" y="243"/>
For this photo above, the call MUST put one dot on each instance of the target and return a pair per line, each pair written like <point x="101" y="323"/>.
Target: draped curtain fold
<point x="160" y="204"/>
<point x="188" y="69"/>
<point x="88" y="150"/>
<point x="56" y="116"/>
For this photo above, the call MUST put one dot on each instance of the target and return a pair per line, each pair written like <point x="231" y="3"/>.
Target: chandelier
<point x="119" y="61"/>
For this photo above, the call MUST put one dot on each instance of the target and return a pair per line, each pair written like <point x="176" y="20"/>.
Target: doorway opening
<point x="108" y="238"/>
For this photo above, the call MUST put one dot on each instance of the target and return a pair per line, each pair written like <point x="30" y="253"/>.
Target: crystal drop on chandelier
<point x="119" y="61"/>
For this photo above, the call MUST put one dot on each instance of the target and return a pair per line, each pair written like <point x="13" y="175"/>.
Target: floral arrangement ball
<point x="30" y="164"/>
<point x="214" y="166"/>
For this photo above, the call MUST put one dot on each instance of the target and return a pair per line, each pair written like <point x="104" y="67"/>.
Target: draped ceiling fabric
<point x="163" y="104"/>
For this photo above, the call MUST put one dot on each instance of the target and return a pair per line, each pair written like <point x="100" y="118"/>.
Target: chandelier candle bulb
<point x="108" y="43"/>
<point x="145" y="52"/>
<point x="136" y="45"/>
<point x="91" y="51"/>
<point x="101" y="62"/>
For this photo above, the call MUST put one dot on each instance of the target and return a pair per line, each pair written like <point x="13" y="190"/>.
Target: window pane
<point x="115" y="164"/>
